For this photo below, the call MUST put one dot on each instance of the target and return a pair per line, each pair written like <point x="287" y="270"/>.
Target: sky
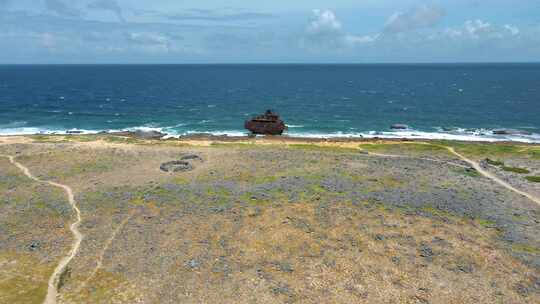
<point x="277" y="31"/>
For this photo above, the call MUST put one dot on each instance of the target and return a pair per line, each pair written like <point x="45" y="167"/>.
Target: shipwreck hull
<point x="265" y="128"/>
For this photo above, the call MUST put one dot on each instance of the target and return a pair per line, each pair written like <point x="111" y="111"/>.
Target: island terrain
<point x="120" y="219"/>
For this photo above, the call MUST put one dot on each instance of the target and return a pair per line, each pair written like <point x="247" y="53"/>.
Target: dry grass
<point x="208" y="237"/>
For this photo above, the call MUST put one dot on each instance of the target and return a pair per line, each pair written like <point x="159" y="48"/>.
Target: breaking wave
<point x="176" y="131"/>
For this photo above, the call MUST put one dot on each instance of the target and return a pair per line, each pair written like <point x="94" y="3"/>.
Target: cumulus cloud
<point x="108" y="5"/>
<point x="514" y="30"/>
<point x="420" y="17"/>
<point x="62" y="9"/>
<point x="323" y="22"/>
<point x="326" y="31"/>
<point x="478" y="30"/>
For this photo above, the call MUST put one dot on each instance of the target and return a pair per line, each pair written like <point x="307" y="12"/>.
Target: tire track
<point x="108" y="243"/>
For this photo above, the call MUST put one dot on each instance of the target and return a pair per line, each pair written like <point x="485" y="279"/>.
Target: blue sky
<point x="238" y="31"/>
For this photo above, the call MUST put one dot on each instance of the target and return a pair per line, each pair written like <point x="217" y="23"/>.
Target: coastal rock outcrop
<point x="510" y="132"/>
<point x="399" y="127"/>
<point x="141" y="134"/>
<point x="176" y="166"/>
<point x="183" y="165"/>
<point x="191" y="157"/>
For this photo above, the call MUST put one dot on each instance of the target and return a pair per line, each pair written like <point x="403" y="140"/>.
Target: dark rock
<point x="465" y="267"/>
<point x="194" y="263"/>
<point x="440" y="242"/>
<point x="522" y="289"/>
<point x="282" y="288"/>
<point x="218" y="209"/>
<point x="510" y="132"/>
<point x="399" y="127"/>
<point x="176" y="166"/>
<point x="148" y="134"/>
<point x="34" y="245"/>
<point x="380" y="237"/>
<point x="426" y="251"/>
<point x="284" y="266"/>
<point x="141" y="134"/>
<point x="191" y="157"/>
<point x="73" y="132"/>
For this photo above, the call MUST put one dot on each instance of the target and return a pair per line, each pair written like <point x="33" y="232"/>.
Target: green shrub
<point x="516" y="170"/>
<point x="494" y="162"/>
<point x="533" y="179"/>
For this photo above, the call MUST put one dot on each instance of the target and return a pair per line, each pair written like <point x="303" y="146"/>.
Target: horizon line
<point x="280" y="63"/>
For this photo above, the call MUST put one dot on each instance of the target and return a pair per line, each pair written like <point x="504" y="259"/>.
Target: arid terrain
<point x="269" y="221"/>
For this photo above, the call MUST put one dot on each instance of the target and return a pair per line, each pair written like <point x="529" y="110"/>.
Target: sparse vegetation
<point x="533" y="179"/>
<point x="315" y="147"/>
<point x="409" y="147"/>
<point x="494" y="162"/>
<point x="471" y="172"/>
<point x="254" y="222"/>
<point x="516" y="170"/>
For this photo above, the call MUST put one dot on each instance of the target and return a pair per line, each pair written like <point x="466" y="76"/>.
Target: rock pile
<point x="182" y="165"/>
<point x="176" y="166"/>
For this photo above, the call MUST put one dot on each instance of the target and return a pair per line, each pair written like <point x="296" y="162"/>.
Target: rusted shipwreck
<point x="267" y="124"/>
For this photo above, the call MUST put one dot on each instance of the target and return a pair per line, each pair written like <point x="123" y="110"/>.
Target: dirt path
<point x="491" y="176"/>
<point x="52" y="290"/>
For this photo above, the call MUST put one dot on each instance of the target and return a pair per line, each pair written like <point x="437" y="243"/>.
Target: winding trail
<point x="472" y="163"/>
<point x="491" y="176"/>
<point x="52" y="290"/>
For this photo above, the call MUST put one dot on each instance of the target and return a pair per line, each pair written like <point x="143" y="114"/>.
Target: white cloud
<point x="325" y="31"/>
<point x="324" y="21"/>
<point x="481" y="30"/>
<point x="476" y="28"/>
<point x="514" y="30"/>
<point x="355" y="40"/>
<point x="420" y="17"/>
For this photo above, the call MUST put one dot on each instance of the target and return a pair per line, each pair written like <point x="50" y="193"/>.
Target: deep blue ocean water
<point x="459" y="101"/>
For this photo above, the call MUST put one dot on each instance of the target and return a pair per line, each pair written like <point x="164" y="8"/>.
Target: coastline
<point x="202" y="138"/>
<point x="436" y="134"/>
<point x="280" y="203"/>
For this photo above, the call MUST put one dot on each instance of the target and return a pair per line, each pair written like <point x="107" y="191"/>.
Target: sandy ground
<point x="269" y="221"/>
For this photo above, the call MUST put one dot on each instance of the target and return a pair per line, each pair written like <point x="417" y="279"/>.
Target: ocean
<point x="439" y="101"/>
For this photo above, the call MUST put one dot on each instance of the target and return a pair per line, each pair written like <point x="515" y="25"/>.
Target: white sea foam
<point x="412" y="134"/>
<point x="457" y="134"/>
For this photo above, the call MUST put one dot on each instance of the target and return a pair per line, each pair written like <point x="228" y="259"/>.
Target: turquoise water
<point x="460" y="101"/>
